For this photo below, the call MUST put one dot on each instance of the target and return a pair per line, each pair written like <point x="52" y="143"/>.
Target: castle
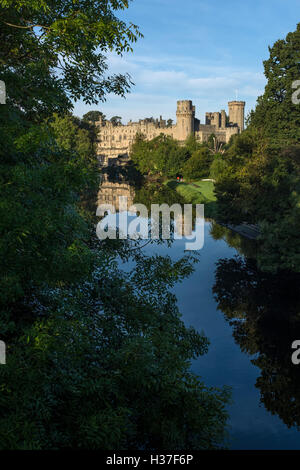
<point x="115" y="140"/>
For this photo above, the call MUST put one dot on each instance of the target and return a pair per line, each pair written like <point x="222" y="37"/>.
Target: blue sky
<point x="206" y="51"/>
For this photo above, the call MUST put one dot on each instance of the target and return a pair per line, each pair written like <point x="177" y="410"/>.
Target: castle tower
<point x="237" y="113"/>
<point x="185" y="115"/>
<point x="223" y="119"/>
<point x="216" y="120"/>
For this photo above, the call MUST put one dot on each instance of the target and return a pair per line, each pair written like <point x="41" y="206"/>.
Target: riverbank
<point x="202" y="192"/>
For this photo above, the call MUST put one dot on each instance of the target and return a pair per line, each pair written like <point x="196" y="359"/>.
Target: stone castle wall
<point x="116" y="140"/>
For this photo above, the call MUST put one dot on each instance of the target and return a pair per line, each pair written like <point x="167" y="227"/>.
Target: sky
<point x="207" y="51"/>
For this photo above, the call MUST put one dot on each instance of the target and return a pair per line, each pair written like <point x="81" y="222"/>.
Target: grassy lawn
<point x="197" y="192"/>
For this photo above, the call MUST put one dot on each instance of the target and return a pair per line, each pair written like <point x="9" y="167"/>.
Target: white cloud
<point x="160" y="81"/>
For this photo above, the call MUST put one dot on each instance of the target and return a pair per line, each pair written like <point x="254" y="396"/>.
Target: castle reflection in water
<point x="111" y="191"/>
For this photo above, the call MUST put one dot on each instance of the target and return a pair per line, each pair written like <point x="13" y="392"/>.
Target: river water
<point x="250" y="341"/>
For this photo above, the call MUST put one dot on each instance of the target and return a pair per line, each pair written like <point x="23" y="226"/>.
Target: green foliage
<point x="192" y="145"/>
<point x="140" y="154"/>
<point x="105" y="362"/>
<point x="58" y="50"/>
<point x="157" y="193"/>
<point x="210" y="141"/>
<point x="275" y="114"/>
<point x="265" y="191"/>
<point x="161" y="155"/>
<point x="116" y="120"/>
<point x="165" y="157"/>
<point x="261" y="186"/>
<point x="198" y="165"/>
<point x="243" y="156"/>
<point x="42" y="234"/>
<point x="217" y="167"/>
<point x="127" y="173"/>
<point x="261" y="181"/>
<point x="93" y="353"/>
<point x="93" y="116"/>
<point x="71" y="137"/>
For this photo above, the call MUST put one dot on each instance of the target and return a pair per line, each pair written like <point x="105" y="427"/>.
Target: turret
<point x="223" y="119"/>
<point x="185" y="119"/>
<point x="216" y="120"/>
<point x="237" y="113"/>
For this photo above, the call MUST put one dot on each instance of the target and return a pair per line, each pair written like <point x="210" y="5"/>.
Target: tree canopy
<point x="166" y="157"/>
<point x="116" y="120"/>
<point x="93" y="353"/>
<point x="276" y="114"/>
<point x="58" y="49"/>
<point x="94" y="116"/>
<point x="261" y="181"/>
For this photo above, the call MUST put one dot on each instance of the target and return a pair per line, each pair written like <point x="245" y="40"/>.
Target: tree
<point x="93" y="353"/>
<point x="235" y="189"/>
<point x="198" y="165"/>
<point x="217" y="167"/>
<point x="161" y="155"/>
<point x="191" y="144"/>
<point x="276" y="114"/>
<point x="149" y="119"/>
<point x="157" y="193"/>
<point x="98" y="370"/>
<point x="169" y="122"/>
<point x="70" y="136"/>
<point x="141" y="154"/>
<point x="257" y="180"/>
<point x="215" y="146"/>
<point x="59" y="49"/>
<point x="94" y="116"/>
<point x="116" y="120"/>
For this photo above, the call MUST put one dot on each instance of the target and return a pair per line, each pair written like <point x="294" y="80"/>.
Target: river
<point x="250" y="319"/>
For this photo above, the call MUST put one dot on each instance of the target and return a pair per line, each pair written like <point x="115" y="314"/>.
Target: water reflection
<point x="264" y="312"/>
<point x="110" y="192"/>
<point x="242" y="245"/>
<point x="116" y="184"/>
